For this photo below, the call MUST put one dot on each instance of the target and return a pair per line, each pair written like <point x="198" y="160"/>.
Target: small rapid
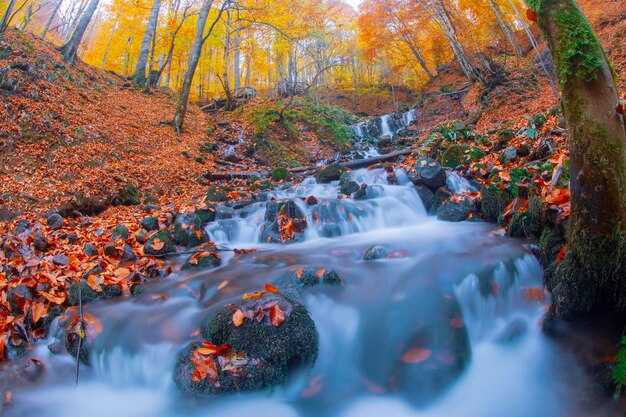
<point x="472" y="298"/>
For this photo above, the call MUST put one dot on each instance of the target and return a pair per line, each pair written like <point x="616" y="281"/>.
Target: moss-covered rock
<point x="280" y="174"/>
<point x="277" y="214"/>
<point x="159" y="243"/>
<point x="456" y="209"/>
<point x="494" y="201"/>
<point x="189" y="231"/>
<point x="309" y="278"/>
<point x="346" y="185"/>
<point x="149" y="224"/>
<point x="237" y="372"/>
<point x="216" y="193"/>
<point x="290" y="345"/>
<point x="330" y="173"/>
<point x="128" y="195"/>
<point x="530" y="223"/>
<point x="206" y="262"/>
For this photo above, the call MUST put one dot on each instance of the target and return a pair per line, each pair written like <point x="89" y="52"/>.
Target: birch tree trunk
<point x="139" y="78"/>
<point x="74" y="22"/>
<point x="110" y="42"/>
<point x="51" y="19"/>
<point x="70" y="49"/>
<point x="505" y="27"/>
<point x="590" y="274"/>
<point x="237" y="59"/>
<point x="192" y="63"/>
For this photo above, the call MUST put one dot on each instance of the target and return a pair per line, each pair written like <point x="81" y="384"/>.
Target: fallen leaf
<point x="277" y="315"/>
<point x="238" y="318"/>
<point x="415" y="356"/>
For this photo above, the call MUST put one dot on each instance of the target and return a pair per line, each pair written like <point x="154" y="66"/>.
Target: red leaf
<point x="277" y="315"/>
<point x="561" y="254"/>
<point x="270" y="288"/>
<point x="531" y="15"/>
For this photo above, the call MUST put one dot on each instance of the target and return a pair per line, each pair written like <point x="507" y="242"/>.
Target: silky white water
<point x="513" y="369"/>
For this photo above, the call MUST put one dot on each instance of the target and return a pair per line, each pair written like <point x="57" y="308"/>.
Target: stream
<point x="459" y="290"/>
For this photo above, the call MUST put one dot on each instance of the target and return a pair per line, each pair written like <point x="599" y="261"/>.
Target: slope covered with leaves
<point x="67" y="131"/>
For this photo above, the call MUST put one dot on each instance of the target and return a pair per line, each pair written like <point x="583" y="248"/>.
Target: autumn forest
<point x="312" y="207"/>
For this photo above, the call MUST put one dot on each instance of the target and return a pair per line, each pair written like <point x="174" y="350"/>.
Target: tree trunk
<point x="74" y="22"/>
<point x="4" y="23"/>
<point x="110" y="42"/>
<point x="70" y="49"/>
<point x="139" y="78"/>
<point x="506" y="28"/>
<point x="589" y="274"/>
<point x="437" y="10"/>
<point x="418" y="55"/>
<point x="50" y="19"/>
<point x="533" y="42"/>
<point x="237" y="59"/>
<point x="194" y="57"/>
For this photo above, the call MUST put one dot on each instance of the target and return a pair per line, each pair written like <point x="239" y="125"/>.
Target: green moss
<point x="129" y="195"/>
<point x="280" y="174"/>
<point x="578" y="52"/>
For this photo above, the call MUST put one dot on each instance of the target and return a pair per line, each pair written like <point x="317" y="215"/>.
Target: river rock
<point x="309" y="278"/>
<point x="271" y="336"/>
<point x="330" y="173"/>
<point x="189" y="230"/>
<point x="374" y="253"/>
<point x="40" y="241"/>
<point x="277" y="216"/>
<point x="291" y="344"/>
<point x="456" y="209"/>
<point x="149" y="224"/>
<point x="206" y="262"/>
<point x="159" y="244"/>
<point x="428" y="172"/>
<point x="55" y="221"/>
<point x="236" y="372"/>
<point x="425" y="195"/>
<point x="368" y="192"/>
<point x="423" y="347"/>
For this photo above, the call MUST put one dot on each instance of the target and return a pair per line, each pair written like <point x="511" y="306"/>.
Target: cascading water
<point x="369" y="132"/>
<point x="457" y="288"/>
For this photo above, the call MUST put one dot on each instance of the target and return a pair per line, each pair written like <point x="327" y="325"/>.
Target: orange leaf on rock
<point x="204" y="368"/>
<point x="39" y="310"/>
<point x="157" y="244"/>
<point x="416" y="356"/>
<point x="277" y="315"/>
<point x="238" y="318"/>
<point x="270" y="288"/>
<point x="561" y="254"/>
<point x="94" y="281"/>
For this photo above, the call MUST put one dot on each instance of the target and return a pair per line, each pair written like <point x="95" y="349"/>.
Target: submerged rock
<point x="418" y="349"/>
<point x="374" y="253"/>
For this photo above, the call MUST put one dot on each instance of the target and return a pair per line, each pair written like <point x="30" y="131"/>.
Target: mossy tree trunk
<point x="591" y="274"/>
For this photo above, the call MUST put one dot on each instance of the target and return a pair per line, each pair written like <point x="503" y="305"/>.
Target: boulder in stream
<point x="428" y="172"/>
<point x="456" y="209"/>
<point x="251" y="345"/>
<point x="189" y="230"/>
<point x="330" y="173"/>
<point x="284" y="222"/>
